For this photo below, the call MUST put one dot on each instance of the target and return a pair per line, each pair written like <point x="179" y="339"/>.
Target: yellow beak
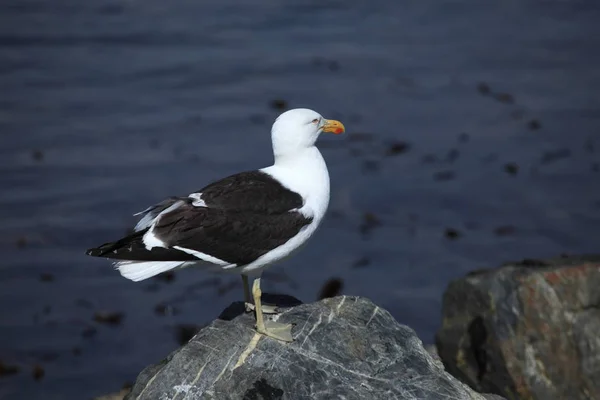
<point x="333" y="126"/>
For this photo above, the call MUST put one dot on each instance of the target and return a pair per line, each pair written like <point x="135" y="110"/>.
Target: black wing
<point x="232" y="236"/>
<point x="253" y="191"/>
<point x="132" y="247"/>
<point x="244" y="216"/>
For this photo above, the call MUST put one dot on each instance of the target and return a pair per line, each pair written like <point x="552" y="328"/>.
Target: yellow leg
<point x="269" y="328"/>
<point x="266" y="308"/>
<point x="256" y="292"/>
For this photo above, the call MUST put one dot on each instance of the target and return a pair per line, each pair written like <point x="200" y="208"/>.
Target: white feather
<point x="203" y="256"/>
<point x="140" y="270"/>
<point x="294" y="173"/>
<point x="198" y="202"/>
<point x="150" y="240"/>
<point x="143" y="211"/>
<point x="151" y="217"/>
<point x="145" y="222"/>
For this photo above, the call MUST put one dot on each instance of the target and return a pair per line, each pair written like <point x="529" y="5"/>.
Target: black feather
<point x="132" y="248"/>
<point x="246" y="216"/>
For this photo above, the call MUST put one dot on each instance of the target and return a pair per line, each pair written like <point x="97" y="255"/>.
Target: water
<point x="109" y="106"/>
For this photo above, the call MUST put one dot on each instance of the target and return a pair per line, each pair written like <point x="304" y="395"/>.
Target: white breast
<point x="306" y="174"/>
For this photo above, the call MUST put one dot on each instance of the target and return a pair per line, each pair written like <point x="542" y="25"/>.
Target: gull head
<point x="298" y="129"/>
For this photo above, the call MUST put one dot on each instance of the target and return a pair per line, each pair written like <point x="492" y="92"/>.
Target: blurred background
<point x="473" y="138"/>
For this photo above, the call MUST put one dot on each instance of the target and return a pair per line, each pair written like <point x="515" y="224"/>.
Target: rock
<point x="490" y="396"/>
<point x="38" y="372"/>
<point x="332" y="288"/>
<point x="527" y="330"/>
<point x="109" y="317"/>
<point x="511" y="168"/>
<point x="115" y="396"/>
<point x="6" y="369"/>
<point x="345" y="347"/>
<point x="432" y="350"/>
<point x="397" y="148"/>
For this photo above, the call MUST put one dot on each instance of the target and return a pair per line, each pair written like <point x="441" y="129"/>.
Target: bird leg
<point x="247" y="298"/>
<point x="266" y="308"/>
<point x="269" y="328"/>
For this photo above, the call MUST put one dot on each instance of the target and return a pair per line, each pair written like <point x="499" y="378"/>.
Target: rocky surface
<point x="528" y="330"/>
<point x="344" y="348"/>
<point x="120" y="395"/>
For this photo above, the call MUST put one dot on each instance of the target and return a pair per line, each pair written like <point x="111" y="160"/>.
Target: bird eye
<point x="315" y="121"/>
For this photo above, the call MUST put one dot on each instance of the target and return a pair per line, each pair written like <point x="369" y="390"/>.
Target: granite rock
<point x="527" y="330"/>
<point x="120" y="395"/>
<point x="345" y="348"/>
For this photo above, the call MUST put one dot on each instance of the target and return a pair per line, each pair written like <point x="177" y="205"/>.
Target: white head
<point x="299" y="129"/>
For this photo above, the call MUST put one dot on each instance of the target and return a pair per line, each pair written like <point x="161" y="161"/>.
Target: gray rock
<point x="527" y="330"/>
<point x="115" y="396"/>
<point x="344" y="348"/>
<point x="489" y="396"/>
<point x="432" y="350"/>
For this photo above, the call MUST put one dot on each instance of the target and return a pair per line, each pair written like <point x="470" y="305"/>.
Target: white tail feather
<point x="140" y="270"/>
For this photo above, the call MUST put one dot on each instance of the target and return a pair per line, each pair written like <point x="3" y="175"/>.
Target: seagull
<point x="241" y="224"/>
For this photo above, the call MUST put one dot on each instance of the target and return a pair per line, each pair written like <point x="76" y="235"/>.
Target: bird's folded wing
<point x="231" y="221"/>
<point x="233" y="237"/>
<point x="254" y="191"/>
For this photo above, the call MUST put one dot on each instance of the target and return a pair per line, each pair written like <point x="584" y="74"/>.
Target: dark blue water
<point x="109" y="106"/>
